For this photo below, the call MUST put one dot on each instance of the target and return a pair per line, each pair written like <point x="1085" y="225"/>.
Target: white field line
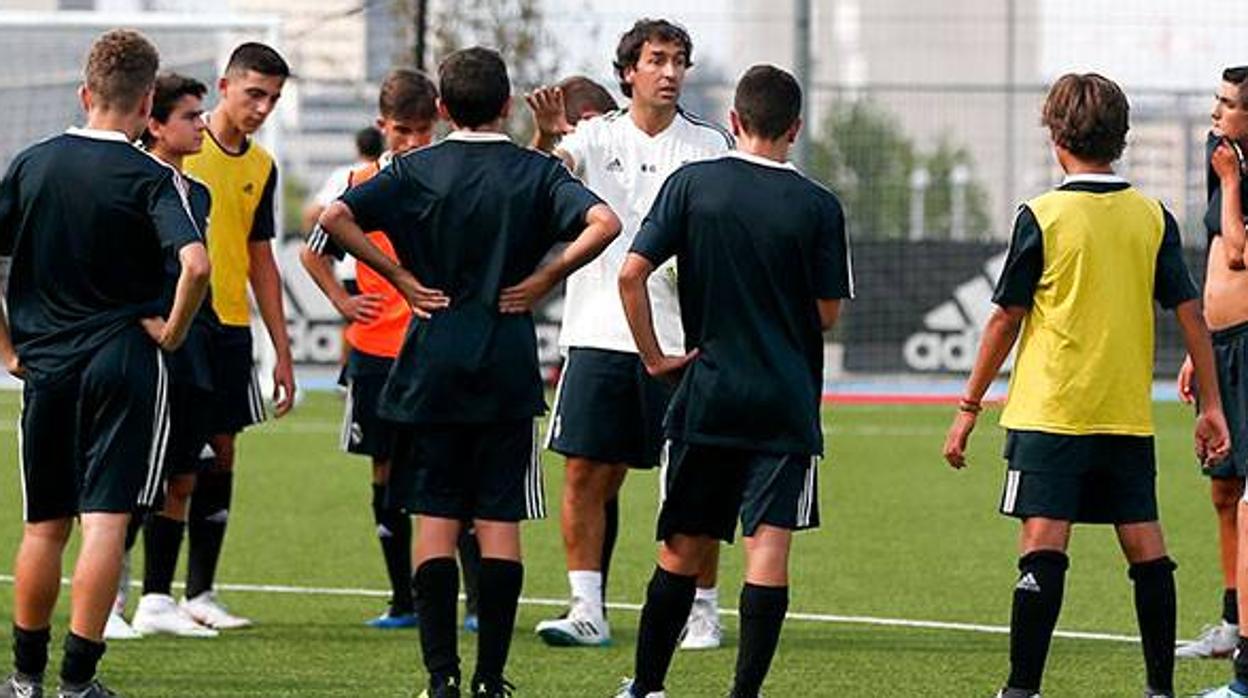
<point x="557" y="603"/>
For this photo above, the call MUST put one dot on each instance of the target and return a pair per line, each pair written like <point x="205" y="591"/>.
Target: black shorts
<point x="363" y="431"/>
<point x="95" y="441"/>
<point x="608" y="409"/>
<point x="468" y="471"/>
<point x="1230" y="353"/>
<point x="1094" y="478"/>
<point x="239" y="403"/>
<point x="706" y="489"/>
<point x="191" y="412"/>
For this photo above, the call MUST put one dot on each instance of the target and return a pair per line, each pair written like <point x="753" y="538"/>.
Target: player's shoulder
<point x="709" y="133"/>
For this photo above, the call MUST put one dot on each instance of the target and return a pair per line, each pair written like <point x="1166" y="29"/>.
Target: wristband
<point x="970" y="406"/>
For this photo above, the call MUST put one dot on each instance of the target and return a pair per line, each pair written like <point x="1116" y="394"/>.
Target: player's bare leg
<point x="1152" y="573"/>
<point x="764" y="603"/>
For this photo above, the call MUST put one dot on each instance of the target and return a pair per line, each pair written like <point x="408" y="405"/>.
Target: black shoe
<point x="492" y="688"/>
<point x="95" y="689"/>
<point x="442" y="688"/>
<point x="22" y="686"/>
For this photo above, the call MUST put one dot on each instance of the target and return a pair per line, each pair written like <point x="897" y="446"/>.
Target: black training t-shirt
<point x="757" y="245"/>
<point x="470" y="216"/>
<point x="192" y="362"/>
<point x="87" y="219"/>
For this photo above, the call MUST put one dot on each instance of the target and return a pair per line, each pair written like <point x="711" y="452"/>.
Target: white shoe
<point x="205" y="609"/>
<point x="582" y="627"/>
<point x="118" y="629"/>
<point x="1220" y="692"/>
<point x="626" y="691"/>
<point x="1214" y="641"/>
<point x="703" y="630"/>
<point x="159" y="613"/>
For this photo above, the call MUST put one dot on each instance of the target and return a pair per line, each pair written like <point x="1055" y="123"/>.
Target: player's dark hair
<point x="1238" y="76"/>
<point x="257" y="57"/>
<point x="628" y="51"/>
<point x="408" y="95"/>
<point x="1087" y="114"/>
<point x="368" y="143"/>
<point x="171" y="88"/>
<point x="474" y="86"/>
<point x="121" y="69"/>
<point x="768" y="101"/>
<point x="580" y="95"/>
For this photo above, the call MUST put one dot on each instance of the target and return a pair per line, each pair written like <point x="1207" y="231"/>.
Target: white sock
<point x="587" y="586"/>
<point x="707" y="596"/>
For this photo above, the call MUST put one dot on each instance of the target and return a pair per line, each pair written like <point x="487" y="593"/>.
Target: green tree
<point x="863" y="155"/>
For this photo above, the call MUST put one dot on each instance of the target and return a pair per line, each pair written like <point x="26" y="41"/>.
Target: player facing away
<point x="758" y="286"/>
<point x="175" y="131"/>
<point x="470" y="220"/>
<point x="378" y="317"/>
<point x="608" y="411"/>
<point x="242" y="177"/>
<point x="86" y="220"/>
<point x="1226" y="313"/>
<point x="1086" y="263"/>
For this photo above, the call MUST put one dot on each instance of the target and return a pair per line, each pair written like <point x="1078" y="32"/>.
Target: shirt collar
<point x="759" y="160"/>
<point x="98" y="134"/>
<point x="478" y="137"/>
<point x="1093" y="178"/>
<point x="384" y="161"/>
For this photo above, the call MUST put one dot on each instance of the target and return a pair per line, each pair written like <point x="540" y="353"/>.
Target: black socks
<point x="762" y="616"/>
<point x="162" y="543"/>
<point x="30" y="650"/>
<point x="394" y="532"/>
<point x="501" y="581"/>
<point x="1230" y="606"/>
<point x="668" y="600"/>
<point x="81" y="658"/>
<point x="609" y="536"/>
<point x="210" y="512"/>
<point x="1155" y="609"/>
<point x="1037" y="603"/>
<point x="437" y="591"/>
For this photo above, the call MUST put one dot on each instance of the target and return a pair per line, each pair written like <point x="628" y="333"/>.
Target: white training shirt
<point x="626" y="167"/>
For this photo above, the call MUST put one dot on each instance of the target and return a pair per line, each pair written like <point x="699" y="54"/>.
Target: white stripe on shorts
<point x="255" y="398"/>
<point x="160" y="435"/>
<point x="810" y="490"/>
<point x="534" y="487"/>
<point x="555" y="424"/>
<point x="21" y="452"/>
<point x="348" y="416"/>
<point x="664" y="456"/>
<point x="1010" y="498"/>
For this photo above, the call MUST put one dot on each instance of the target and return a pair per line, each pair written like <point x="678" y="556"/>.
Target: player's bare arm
<point x="361" y="307"/>
<point x="601" y="227"/>
<point x="266" y="284"/>
<point x="1213" y="442"/>
<point x="999" y="336"/>
<point x="829" y="312"/>
<point x="189" y="294"/>
<point x="8" y="354"/>
<point x="339" y="222"/>
<point x="550" y="123"/>
<point x="1226" y="164"/>
<point x="636" y="297"/>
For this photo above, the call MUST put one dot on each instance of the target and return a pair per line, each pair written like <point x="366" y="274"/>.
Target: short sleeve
<point x="570" y="202"/>
<point x="170" y="212"/>
<point x="663" y="231"/>
<point x="1023" y="265"/>
<point x="264" y="224"/>
<point x="9" y="210"/>
<point x="1173" y="284"/>
<point x="834" y="270"/>
<point x="333" y="187"/>
<point x="579" y="143"/>
<point x="372" y="203"/>
<point x="320" y="243"/>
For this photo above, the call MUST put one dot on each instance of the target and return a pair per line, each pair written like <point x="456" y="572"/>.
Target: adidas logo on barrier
<point x="951" y="331"/>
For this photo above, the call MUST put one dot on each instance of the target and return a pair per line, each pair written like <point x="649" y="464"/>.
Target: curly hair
<point x="121" y="69"/>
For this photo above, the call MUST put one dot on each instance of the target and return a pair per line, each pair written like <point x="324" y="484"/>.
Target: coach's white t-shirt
<point x="626" y="167"/>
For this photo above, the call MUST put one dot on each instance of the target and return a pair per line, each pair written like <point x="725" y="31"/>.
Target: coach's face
<point x="249" y="97"/>
<point x="1230" y="112"/>
<point x="659" y="73"/>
